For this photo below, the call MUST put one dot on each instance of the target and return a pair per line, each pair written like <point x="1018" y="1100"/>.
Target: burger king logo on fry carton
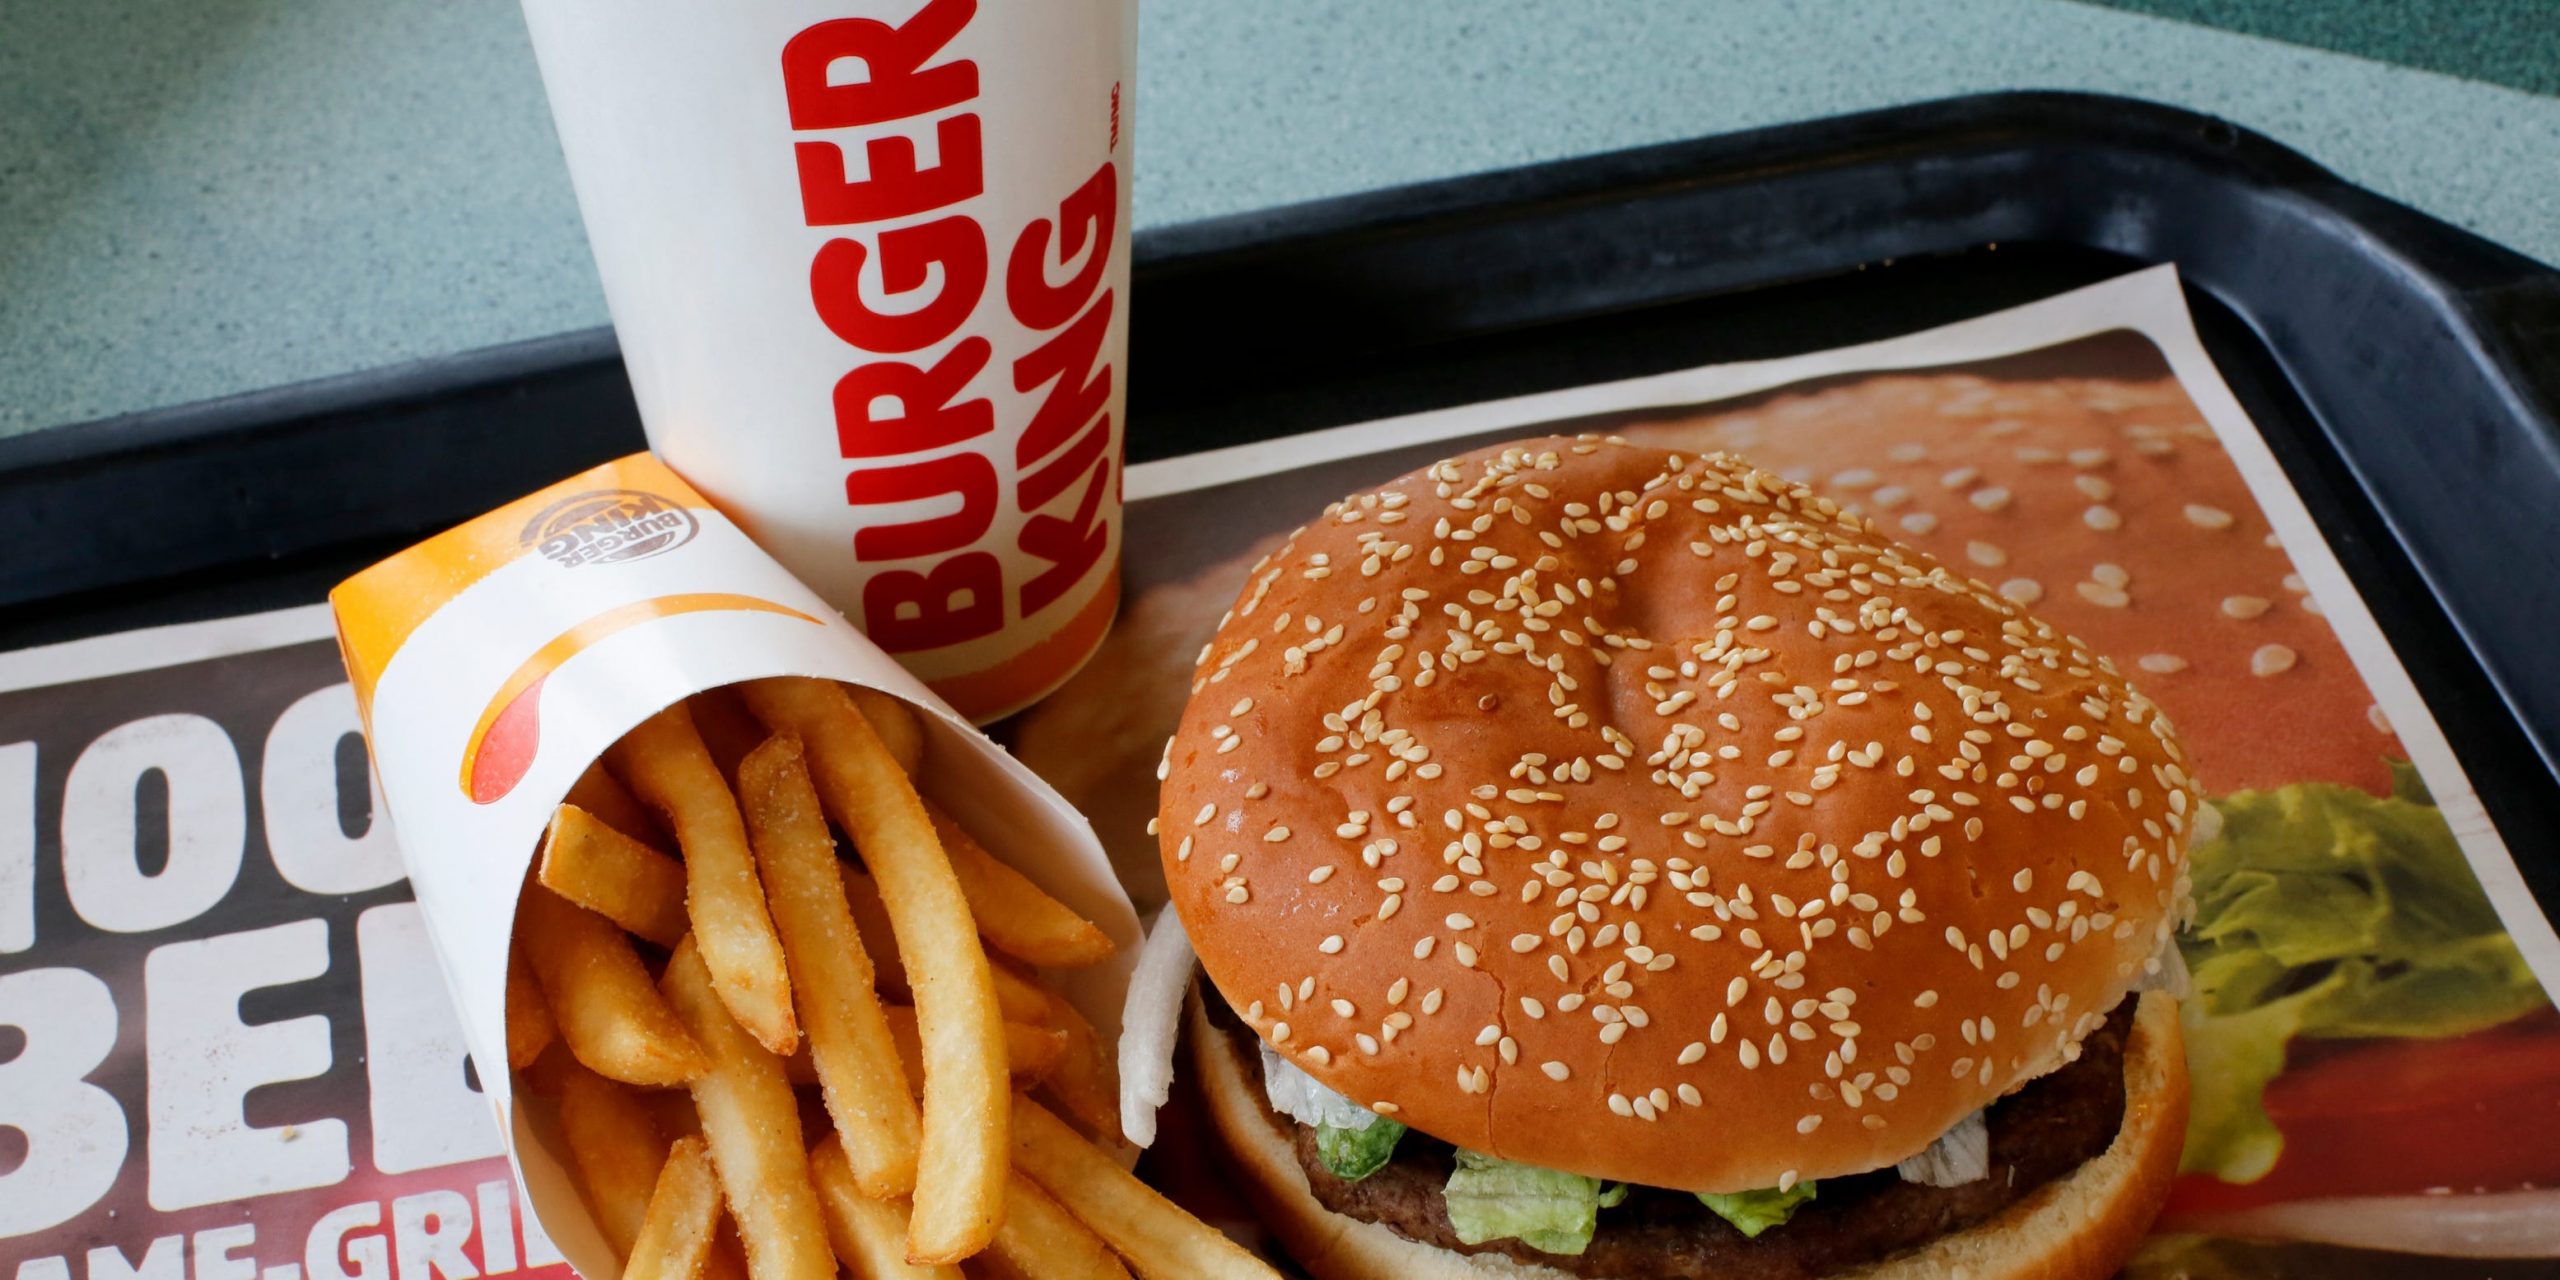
<point x="490" y="682"/>
<point x="608" y="526"/>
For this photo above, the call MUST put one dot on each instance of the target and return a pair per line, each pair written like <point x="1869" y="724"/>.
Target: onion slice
<point x="1151" y="1025"/>
<point x="1297" y="1095"/>
<point x="2166" y="970"/>
<point x="1960" y="1155"/>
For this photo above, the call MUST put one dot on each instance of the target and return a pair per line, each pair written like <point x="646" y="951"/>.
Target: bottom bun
<point x="2079" y="1227"/>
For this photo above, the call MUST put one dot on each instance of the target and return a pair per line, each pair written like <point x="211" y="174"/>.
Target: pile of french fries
<point x="828" y="1068"/>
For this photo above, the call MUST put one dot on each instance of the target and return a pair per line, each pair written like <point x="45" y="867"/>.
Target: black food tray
<point x="2406" y="373"/>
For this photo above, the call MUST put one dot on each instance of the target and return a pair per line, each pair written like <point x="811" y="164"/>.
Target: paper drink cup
<point x="869" y="263"/>
<point x="493" y="663"/>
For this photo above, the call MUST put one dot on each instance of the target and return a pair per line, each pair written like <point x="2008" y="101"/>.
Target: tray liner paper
<point x="226" y="1040"/>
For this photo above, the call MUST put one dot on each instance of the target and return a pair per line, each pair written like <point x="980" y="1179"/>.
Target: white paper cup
<point x="869" y="262"/>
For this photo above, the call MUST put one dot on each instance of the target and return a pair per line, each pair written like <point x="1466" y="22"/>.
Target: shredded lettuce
<point x="1490" y="1199"/>
<point x="1353" y="1154"/>
<point x="2323" y="911"/>
<point x="1752" y="1212"/>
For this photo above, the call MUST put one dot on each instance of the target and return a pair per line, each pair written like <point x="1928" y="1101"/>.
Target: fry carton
<point x="494" y="663"/>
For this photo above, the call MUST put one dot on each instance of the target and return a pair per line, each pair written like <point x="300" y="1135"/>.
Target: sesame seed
<point x="2102" y="518"/>
<point x="2025" y="591"/>
<point x="1919" y="522"/>
<point x="1331" y="945"/>
<point x="1989" y="498"/>
<point x="2102" y="595"/>
<point x="2110" y="575"/>
<point x="2270" y="660"/>
<point x="2161" y="663"/>
<point x="1808" y="1124"/>
<point x="2204" y="517"/>
<point x="1985" y="554"/>
<point x="1556" y="1071"/>
<point x="2244" y="607"/>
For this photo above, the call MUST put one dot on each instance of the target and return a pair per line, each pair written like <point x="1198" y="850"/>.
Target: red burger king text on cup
<point x="899" y="412"/>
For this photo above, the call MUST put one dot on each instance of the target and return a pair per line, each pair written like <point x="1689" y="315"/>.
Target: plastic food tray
<point x="2406" y="373"/>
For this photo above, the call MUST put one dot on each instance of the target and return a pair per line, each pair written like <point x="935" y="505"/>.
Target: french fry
<point x="613" y="1139"/>
<point x="596" y="792"/>
<point x="751" y="1123"/>
<point x="684" y="1213"/>
<point x="960" y="1182"/>
<point x="896" y="723"/>
<point x="1159" y="1240"/>
<point x="1015" y="916"/>
<point x="870" y="1235"/>
<point x="607" y="1009"/>
<point x="530" y="1029"/>
<point x="865" y="1085"/>
<point x="594" y="864"/>
<point x="1031" y="1052"/>
<point x="1018" y="998"/>
<point x="666" y="765"/>
<point x="728" y="732"/>
<point x="1086" y="1082"/>
<point x="1040" y="1240"/>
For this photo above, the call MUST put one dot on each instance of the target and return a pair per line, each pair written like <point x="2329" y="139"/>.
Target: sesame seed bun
<point x="1646" y="816"/>
<point x="2078" y="1227"/>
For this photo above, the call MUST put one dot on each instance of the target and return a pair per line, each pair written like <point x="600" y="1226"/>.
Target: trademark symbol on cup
<point x="608" y="526"/>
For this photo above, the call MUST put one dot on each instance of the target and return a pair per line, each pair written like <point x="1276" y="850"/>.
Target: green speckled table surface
<point x="205" y="197"/>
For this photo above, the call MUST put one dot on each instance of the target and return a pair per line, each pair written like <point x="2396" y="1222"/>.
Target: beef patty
<point x="2043" y="1131"/>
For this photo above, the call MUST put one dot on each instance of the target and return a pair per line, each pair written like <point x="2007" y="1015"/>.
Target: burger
<point x="1615" y="862"/>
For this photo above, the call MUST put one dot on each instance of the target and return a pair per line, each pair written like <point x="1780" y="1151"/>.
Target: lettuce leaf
<point x="2326" y="912"/>
<point x="1353" y="1154"/>
<point x="1490" y="1199"/>
<point x="1752" y="1212"/>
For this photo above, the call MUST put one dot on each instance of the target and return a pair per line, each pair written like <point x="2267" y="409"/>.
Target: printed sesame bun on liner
<point x="2108" y="507"/>
<point x="1622" y="813"/>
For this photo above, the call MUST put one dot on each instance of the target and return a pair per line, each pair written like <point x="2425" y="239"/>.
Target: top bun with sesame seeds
<point x="1646" y="816"/>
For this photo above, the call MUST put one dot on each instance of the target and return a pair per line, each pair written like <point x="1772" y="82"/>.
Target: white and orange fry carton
<point x="869" y="264"/>
<point x="494" y="662"/>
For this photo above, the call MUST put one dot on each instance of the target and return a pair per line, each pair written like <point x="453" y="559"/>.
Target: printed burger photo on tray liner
<point x="2374" y="1067"/>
